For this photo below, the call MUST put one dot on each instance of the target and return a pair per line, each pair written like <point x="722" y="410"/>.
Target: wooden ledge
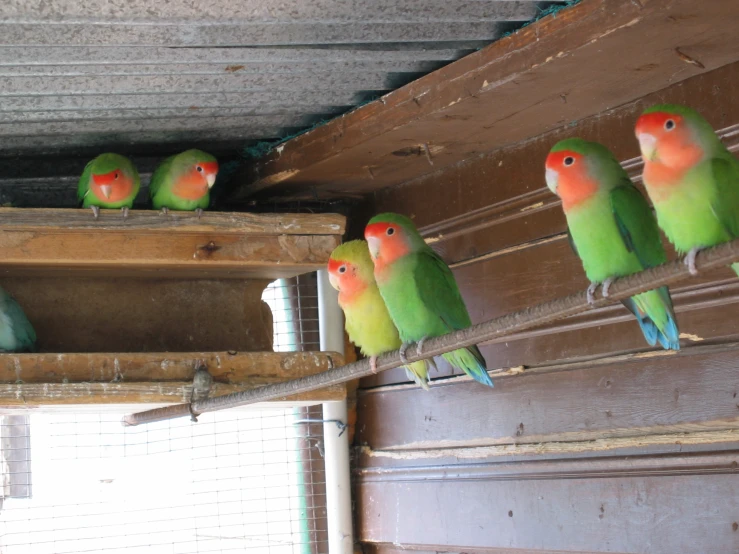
<point x="133" y="378"/>
<point x="219" y="245"/>
<point x="151" y="221"/>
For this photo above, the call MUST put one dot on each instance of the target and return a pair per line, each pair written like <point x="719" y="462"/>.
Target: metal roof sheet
<point x="149" y="79"/>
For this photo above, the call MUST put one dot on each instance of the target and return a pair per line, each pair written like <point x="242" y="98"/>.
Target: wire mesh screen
<point x="236" y="481"/>
<point x="294" y="304"/>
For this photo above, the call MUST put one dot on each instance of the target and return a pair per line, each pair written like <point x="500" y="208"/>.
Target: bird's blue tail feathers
<point x="470" y="361"/>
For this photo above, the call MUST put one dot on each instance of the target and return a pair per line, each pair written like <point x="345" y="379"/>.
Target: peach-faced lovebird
<point x="367" y="321"/>
<point x="692" y="179"/>
<point x="612" y="229"/>
<point x="419" y="290"/>
<point x="183" y="182"/>
<point x="16" y="332"/>
<point x="108" y="181"/>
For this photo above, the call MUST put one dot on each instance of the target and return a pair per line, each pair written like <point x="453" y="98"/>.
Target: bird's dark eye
<point x="200" y="169"/>
<point x="390" y="231"/>
<point x="115" y="176"/>
<point x="669" y="125"/>
<point x="569" y="160"/>
<point x="342" y="269"/>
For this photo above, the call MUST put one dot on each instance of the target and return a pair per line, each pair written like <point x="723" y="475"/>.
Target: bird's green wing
<point x="726" y="207"/>
<point x="83" y="187"/>
<point x="637" y="225"/>
<point x="160" y="176"/>
<point x="571" y="242"/>
<point x="438" y="290"/>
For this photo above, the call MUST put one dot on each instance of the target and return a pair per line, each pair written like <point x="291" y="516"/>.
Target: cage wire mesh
<point x="236" y="481"/>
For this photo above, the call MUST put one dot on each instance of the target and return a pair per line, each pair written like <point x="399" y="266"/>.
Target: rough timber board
<point x="177" y="245"/>
<point x="123" y="378"/>
<point x="594" y="56"/>
<point x="152" y="221"/>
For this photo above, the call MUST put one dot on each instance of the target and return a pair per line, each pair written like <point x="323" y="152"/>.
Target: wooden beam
<point x="583" y="60"/>
<point x="131" y="378"/>
<point x="152" y="221"/>
<point x="218" y="245"/>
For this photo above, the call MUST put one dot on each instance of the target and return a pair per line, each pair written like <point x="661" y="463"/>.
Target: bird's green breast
<point x="598" y="240"/>
<point x="685" y="213"/>
<point x="403" y="299"/>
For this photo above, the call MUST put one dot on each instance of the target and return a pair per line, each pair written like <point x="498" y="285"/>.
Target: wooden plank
<point x="586" y="59"/>
<point x="691" y="391"/>
<point x="657" y="505"/>
<point x="126" y="378"/>
<point x="152" y="221"/>
<point x="226" y="245"/>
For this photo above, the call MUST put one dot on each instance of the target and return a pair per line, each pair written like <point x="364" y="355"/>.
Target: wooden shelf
<point x="178" y="245"/>
<point x="28" y="380"/>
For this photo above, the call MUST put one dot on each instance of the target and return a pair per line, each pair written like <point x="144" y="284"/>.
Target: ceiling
<point x="149" y="79"/>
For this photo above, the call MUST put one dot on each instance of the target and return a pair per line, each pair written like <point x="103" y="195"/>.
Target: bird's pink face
<point x="111" y="187"/>
<point x="665" y="138"/>
<point x="568" y="177"/>
<point x="387" y="242"/>
<point x="197" y="180"/>
<point x="345" y="278"/>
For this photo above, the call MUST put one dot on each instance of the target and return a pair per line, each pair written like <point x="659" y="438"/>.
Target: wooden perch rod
<point x="665" y="274"/>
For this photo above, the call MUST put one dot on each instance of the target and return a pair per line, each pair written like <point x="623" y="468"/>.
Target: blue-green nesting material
<point x="543" y="12"/>
<point x="262" y="148"/>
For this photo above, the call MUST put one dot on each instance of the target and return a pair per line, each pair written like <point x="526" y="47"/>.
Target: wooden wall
<point x="591" y="441"/>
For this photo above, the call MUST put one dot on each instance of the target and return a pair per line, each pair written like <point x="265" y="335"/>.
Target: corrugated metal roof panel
<point x="151" y="78"/>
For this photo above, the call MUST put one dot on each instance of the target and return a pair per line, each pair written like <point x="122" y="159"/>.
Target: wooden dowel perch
<point x="665" y="274"/>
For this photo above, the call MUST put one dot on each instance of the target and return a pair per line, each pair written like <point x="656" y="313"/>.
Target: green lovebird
<point x="692" y="179"/>
<point x="108" y="181"/>
<point x="16" y="332"/>
<point x="368" y="323"/>
<point x="183" y="182"/>
<point x="612" y="229"/>
<point x="419" y="290"/>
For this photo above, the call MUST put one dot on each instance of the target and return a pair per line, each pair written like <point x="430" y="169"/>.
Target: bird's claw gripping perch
<point x="95" y="211"/>
<point x="419" y="347"/>
<point x="124" y="210"/>
<point x="199" y="212"/>
<point x="690" y="261"/>
<point x="164" y="210"/>
<point x="373" y="364"/>
<point x="401" y="352"/>
<point x="606" y="286"/>
<point x="591" y="292"/>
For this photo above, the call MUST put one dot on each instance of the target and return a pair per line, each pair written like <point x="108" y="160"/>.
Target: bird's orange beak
<point x="372" y="234"/>
<point x="210" y="170"/>
<point x="105" y="181"/>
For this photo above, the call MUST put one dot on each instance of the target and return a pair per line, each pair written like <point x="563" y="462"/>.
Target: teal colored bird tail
<point x="470" y="361"/>
<point x="418" y="372"/>
<point x="654" y="313"/>
<point x="735" y="267"/>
